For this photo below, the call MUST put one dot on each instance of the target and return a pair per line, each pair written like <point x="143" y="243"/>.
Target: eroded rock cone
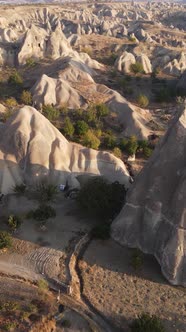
<point x="154" y="217"/>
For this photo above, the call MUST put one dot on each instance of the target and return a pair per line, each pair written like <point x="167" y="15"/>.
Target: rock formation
<point x="153" y="218"/>
<point x="32" y="148"/>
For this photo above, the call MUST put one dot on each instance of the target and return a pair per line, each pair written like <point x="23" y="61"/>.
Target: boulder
<point x="144" y="60"/>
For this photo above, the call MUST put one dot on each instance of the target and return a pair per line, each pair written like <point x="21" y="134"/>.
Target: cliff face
<point x="154" y="217"/>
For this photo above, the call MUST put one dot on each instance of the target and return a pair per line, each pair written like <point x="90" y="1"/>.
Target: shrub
<point x="90" y="115"/>
<point x="5" y="240"/>
<point x="42" y="285"/>
<point x="81" y="127"/>
<point x="30" y="62"/>
<point x="68" y="128"/>
<point x="11" y="102"/>
<point x="142" y="100"/>
<point x="42" y="213"/>
<point x="117" y="152"/>
<point x="19" y="188"/>
<point x="9" y="306"/>
<point x="51" y="112"/>
<point x="132" y="145"/>
<point x="87" y="50"/>
<point x="90" y="140"/>
<point x="101" y="231"/>
<point x="14" y="222"/>
<point x="147" y="151"/>
<point x="15" y="79"/>
<point x="46" y="191"/>
<point x="136" y="68"/>
<point x="147" y="323"/>
<point x="26" y="98"/>
<point x="101" y="110"/>
<point x="102" y="199"/>
<point x="137" y="259"/>
<point x="109" y="140"/>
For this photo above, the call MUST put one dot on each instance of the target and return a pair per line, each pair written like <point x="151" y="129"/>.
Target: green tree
<point x="132" y="145"/>
<point x="90" y="140"/>
<point x="109" y="140"/>
<point x="101" y="198"/>
<point x="51" y="112"/>
<point x="5" y="240"/>
<point x="81" y="127"/>
<point x="101" y="110"/>
<point x="147" y="323"/>
<point x="68" y="127"/>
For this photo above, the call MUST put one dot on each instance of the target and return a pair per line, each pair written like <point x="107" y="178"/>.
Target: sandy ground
<point x="121" y="294"/>
<point x="38" y="251"/>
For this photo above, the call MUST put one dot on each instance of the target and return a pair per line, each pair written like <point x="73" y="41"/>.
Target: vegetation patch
<point x="147" y="323"/>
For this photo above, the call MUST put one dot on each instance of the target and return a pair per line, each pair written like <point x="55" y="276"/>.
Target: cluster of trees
<point x="85" y="126"/>
<point x="103" y="200"/>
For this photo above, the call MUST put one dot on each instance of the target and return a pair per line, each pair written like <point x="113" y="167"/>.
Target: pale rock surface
<point x="145" y="61"/>
<point x="124" y="61"/>
<point x="154" y="216"/>
<point x="177" y="66"/>
<point x="31" y="148"/>
<point x="51" y="91"/>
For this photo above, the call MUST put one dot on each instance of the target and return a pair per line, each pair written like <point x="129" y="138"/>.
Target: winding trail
<point x="72" y="295"/>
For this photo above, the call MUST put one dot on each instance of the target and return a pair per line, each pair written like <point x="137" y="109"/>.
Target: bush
<point x="101" y="231"/>
<point x="46" y="191"/>
<point x="51" y="112"/>
<point x="9" y="306"/>
<point x="136" y="68"/>
<point x="147" y="152"/>
<point x="109" y="141"/>
<point x="5" y="240"/>
<point x="102" y="199"/>
<point x="101" y="110"/>
<point x="14" y="222"/>
<point x="137" y="259"/>
<point x="42" y="285"/>
<point x="26" y="98"/>
<point x="15" y="79"/>
<point x="132" y="145"/>
<point x="117" y="152"/>
<point x="42" y="213"/>
<point x="30" y="62"/>
<point x="19" y="188"/>
<point x="147" y="323"/>
<point x="68" y="128"/>
<point x="81" y="127"/>
<point x="142" y="100"/>
<point x="11" y="102"/>
<point x="90" y="140"/>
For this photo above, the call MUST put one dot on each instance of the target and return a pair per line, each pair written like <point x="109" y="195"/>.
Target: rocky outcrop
<point x="144" y="60"/>
<point x="153" y="218"/>
<point x="177" y="66"/>
<point x="51" y="91"/>
<point x="124" y="62"/>
<point x="32" y="148"/>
